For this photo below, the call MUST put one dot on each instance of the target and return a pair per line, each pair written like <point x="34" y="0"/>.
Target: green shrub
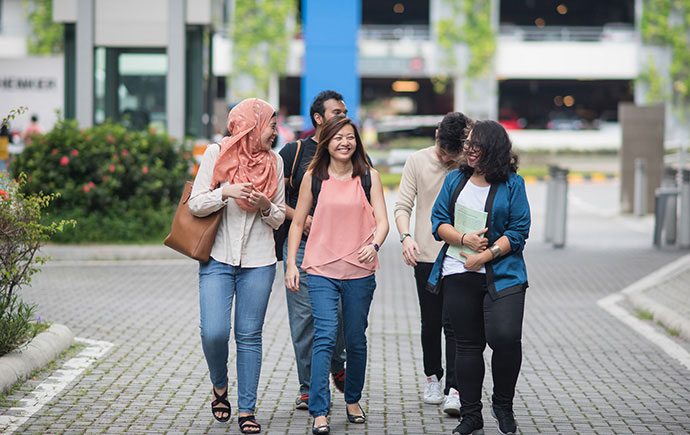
<point x="21" y="235"/>
<point x="119" y="185"/>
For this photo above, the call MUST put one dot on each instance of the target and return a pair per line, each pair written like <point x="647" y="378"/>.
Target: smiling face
<point x="472" y="152"/>
<point x="269" y="135"/>
<point x="343" y="144"/>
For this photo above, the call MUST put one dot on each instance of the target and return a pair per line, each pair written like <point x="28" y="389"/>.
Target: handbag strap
<point x="292" y="170"/>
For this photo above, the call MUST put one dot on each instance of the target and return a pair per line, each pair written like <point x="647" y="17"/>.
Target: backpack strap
<point x="315" y="189"/>
<point x="366" y="184"/>
<point x="298" y="157"/>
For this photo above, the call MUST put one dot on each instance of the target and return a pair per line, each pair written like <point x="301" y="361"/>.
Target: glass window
<point x="130" y="87"/>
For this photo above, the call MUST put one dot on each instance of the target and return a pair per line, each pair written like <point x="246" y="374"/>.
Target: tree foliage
<point x="260" y="41"/>
<point x="45" y="36"/>
<point x="475" y="31"/>
<point x="667" y="22"/>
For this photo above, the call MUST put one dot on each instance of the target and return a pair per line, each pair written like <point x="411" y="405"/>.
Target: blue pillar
<point x="330" y="61"/>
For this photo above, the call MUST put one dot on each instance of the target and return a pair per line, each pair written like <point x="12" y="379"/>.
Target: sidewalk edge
<point x="17" y="365"/>
<point x="665" y="315"/>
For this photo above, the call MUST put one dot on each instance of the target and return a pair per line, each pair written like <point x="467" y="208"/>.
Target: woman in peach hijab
<point x="340" y="258"/>
<point x="245" y="177"/>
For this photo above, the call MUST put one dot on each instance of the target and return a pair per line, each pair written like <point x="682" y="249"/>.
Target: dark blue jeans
<point x="302" y="327"/>
<point x="356" y="296"/>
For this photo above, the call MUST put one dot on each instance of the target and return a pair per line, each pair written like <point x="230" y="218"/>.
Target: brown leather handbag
<point x="190" y="235"/>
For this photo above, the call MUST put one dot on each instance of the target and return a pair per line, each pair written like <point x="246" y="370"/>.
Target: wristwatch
<point x="403" y="235"/>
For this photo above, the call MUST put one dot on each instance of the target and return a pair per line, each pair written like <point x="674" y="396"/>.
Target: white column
<point x="84" y="67"/>
<point x="175" y="84"/>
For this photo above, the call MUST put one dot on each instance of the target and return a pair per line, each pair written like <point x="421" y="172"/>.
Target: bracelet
<point x="495" y="251"/>
<point x="375" y="245"/>
<point x="462" y="240"/>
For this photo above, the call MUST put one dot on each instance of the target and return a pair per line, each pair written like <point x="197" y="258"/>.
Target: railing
<point x="570" y="33"/>
<point x="381" y="32"/>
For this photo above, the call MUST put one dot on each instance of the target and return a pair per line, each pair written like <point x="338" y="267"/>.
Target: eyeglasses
<point x="470" y="148"/>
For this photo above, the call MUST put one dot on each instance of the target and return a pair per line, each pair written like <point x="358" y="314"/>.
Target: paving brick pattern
<point x="582" y="372"/>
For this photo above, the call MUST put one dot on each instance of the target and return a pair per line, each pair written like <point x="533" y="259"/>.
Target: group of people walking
<point x="326" y="191"/>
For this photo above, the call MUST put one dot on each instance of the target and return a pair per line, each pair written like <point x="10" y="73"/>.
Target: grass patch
<point x="390" y="179"/>
<point x="644" y="315"/>
<point x="70" y="352"/>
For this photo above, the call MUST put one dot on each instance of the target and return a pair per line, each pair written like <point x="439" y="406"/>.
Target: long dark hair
<point x="497" y="159"/>
<point x="319" y="165"/>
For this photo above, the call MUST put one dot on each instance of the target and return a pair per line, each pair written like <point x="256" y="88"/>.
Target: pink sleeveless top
<point x="343" y="223"/>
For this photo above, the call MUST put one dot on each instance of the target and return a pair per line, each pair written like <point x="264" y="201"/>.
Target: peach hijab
<point x="242" y="158"/>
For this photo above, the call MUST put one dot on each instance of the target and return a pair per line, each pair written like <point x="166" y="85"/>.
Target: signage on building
<point x="33" y="82"/>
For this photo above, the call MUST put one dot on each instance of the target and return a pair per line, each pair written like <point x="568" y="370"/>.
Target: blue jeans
<point x="356" y="296"/>
<point x="219" y="283"/>
<point x="302" y="326"/>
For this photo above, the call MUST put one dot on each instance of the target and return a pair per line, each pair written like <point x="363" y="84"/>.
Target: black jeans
<point x="431" y="307"/>
<point x="478" y="320"/>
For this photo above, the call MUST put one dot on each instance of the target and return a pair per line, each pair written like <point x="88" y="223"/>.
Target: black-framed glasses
<point x="470" y="148"/>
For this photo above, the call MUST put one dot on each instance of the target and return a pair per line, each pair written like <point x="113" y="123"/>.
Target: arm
<point x="519" y="219"/>
<point x="290" y="212"/>
<point x="368" y="253"/>
<point x="299" y="217"/>
<point x="403" y="210"/>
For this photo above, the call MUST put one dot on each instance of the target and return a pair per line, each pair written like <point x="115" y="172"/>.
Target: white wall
<point x="13" y="30"/>
<point x="516" y="59"/>
<point x="35" y="82"/>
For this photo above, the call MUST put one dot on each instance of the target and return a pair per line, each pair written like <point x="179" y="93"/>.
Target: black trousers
<point x="477" y="320"/>
<point x="431" y="308"/>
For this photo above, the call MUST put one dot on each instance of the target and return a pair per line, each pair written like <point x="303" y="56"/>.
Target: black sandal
<point x="357" y="419"/>
<point x="248" y="424"/>
<point x="220" y="400"/>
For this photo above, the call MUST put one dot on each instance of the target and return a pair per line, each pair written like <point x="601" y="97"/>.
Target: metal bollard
<point x="550" y="200"/>
<point x="684" y="224"/>
<point x="640" y="195"/>
<point x="670" y="224"/>
<point x="663" y="197"/>
<point x="560" y="208"/>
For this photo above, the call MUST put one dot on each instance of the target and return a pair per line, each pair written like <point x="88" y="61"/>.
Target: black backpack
<point x="364" y="179"/>
<point x="281" y="233"/>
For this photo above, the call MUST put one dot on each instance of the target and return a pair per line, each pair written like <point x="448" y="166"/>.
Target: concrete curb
<point x="667" y="316"/>
<point x="19" y="364"/>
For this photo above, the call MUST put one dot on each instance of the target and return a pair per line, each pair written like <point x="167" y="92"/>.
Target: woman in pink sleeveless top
<point x="340" y="258"/>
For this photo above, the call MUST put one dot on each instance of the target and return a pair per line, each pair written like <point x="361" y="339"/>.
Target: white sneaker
<point x="451" y="404"/>
<point x="433" y="394"/>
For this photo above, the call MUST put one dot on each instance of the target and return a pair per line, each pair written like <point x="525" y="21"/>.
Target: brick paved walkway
<point x="583" y="371"/>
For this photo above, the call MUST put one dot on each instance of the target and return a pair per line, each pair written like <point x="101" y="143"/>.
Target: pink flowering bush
<point x="119" y="185"/>
<point x="21" y="236"/>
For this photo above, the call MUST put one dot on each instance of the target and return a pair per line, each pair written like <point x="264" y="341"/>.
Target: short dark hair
<point x="321" y="160"/>
<point x="497" y="159"/>
<point x="452" y="132"/>
<point x="317" y="105"/>
<point x="34" y="117"/>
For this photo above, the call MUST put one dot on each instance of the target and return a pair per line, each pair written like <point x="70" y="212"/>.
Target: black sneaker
<point x="339" y="380"/>
<point x="470" y="425"/>
<point x="505" y="420"/>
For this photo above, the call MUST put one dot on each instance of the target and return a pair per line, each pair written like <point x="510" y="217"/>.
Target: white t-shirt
<point x="474" y="197"/>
